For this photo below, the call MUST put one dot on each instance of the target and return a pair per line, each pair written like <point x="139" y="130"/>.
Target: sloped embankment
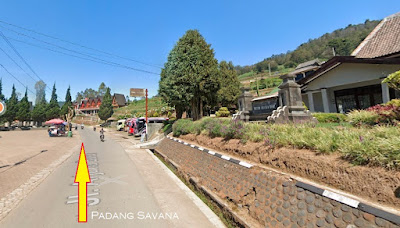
<point x="372" y="183"/>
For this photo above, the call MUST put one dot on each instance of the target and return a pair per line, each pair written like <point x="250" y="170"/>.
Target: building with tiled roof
<point x="383" y="41"/>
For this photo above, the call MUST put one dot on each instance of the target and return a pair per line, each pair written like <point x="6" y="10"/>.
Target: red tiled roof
<point x="383" y="41"/>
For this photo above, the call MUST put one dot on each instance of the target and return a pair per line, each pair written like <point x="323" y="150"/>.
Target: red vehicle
<point x="137" y="125"/>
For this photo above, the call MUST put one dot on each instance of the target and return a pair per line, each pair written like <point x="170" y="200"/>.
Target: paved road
<point x="119" y="195"/>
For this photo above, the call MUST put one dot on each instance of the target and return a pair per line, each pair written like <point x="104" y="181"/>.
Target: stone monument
<point x="291" y="107"/>
<point x="244" y="104"/>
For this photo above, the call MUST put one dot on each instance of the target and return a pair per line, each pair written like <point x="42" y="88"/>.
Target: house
<point x="118" y="100"/>
<point x="307" y="68"/>
<point x="89" y="105"/>
<point x="344" y="83"/>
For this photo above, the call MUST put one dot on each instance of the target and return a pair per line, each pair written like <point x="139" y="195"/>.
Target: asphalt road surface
<point x="117" y="197"/>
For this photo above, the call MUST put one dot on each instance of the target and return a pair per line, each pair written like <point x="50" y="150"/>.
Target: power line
<point x="17" y="79"/>
<point x="80" y="57"/>
<point x="19" y="55"/>
<point x="17" y="64"/>
<point x="82" y="46"/>
<point x="80" y="53"/>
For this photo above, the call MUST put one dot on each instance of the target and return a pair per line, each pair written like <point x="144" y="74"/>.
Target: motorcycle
<point x="94" y="128"/>
<point x="102" y="138"/>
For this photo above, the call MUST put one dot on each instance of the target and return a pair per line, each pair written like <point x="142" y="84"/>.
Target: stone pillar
<point x="325" y="100"/>
<point x="291" y="109"/>
<point x="310" y="102"/>
<point x="385" y="93"/>
<point x="244" y="103"/>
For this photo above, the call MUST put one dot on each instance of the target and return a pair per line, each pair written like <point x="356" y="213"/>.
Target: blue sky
<point x="240" y="31"/>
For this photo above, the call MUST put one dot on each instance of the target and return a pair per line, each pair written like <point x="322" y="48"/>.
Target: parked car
<point x="120" y="125"/>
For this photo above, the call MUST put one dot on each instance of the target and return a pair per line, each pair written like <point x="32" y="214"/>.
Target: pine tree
<point x="190" y="76"/>
<point x="229" y="85"/>
<point x="106" y="109"/>
<point x="53" y="109"/>
<point x="2" y="97"/>
<point x="24" y="112"/>
<point x="12" y="106"/>
<point x="68" y="103"/>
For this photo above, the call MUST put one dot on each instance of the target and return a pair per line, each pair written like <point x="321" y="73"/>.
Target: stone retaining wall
<point x="273" y="199"/>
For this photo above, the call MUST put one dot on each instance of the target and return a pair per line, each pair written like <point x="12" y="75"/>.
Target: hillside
<point x="156" y="107"/>
<point x="343" y="41"/>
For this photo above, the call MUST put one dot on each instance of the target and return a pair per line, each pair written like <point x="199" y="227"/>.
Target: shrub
<point x="388" y="114"/>
<point x="330" y="117"/>
<point x="394" y="102"/>
<point x="362" y="118"/>
<point x="223" y="112"/>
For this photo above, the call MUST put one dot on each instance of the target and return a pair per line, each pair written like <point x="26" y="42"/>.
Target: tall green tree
<point x="229" y="85"/>
<point x="102" y="89"/>
<point x="106" y="109"/>
<point x="190" y="74"/>
<point x="40" y="88"/>
<point x="53" y="109"/>
<point x="12" y="106"/>
<point x="2" y="97"/>
<point x="24" y="112"/>
<point x="67" y="104"/>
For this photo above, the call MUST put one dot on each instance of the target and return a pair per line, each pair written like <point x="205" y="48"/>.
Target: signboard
<point x="137" y="92"/>
<point x="2" y="107"/>
<point x="265" y="106"/>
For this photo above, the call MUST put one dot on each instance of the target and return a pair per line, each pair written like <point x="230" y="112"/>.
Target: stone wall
<point x="273" y="199"/>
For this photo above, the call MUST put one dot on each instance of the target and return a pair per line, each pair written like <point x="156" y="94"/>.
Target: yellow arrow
<point x="82" y="177"/>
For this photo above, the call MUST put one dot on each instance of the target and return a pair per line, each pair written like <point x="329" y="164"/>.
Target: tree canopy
<point x="190" y="77"/>
<point x="24" y="112"/>
<point x="68" y="103"/>
<point x="229" y="85"/>
<point x="53" y="109"/>
<point x="12" y="106"/>
<point x="106" y="109"/>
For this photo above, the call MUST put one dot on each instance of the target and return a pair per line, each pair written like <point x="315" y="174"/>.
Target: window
<point x="358" y="98"/>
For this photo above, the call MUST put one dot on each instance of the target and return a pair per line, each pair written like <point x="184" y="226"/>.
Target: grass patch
<point x="138" y="108"/>
<point x="217" y="210"/>
<point x="376" y="146"/>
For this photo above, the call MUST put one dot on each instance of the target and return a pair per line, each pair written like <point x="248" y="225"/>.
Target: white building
<point x="344" y="83"/>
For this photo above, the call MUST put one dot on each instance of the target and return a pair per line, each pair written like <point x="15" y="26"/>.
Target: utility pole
<point x="333" y="51"/>
<point x="146" y="115"/>
<point x="269" y="68"/>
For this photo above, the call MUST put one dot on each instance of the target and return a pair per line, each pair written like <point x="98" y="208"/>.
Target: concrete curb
<point x="238" y="162"/>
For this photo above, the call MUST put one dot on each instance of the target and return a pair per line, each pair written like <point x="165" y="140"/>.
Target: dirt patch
<point x="372" y="183"/>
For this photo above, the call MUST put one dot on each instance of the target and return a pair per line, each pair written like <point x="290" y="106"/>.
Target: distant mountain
<point x="341" y="41"/>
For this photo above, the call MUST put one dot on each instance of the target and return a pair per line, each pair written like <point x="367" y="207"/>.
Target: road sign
<point x="137" y="92"/>
<point x="2" y="107"/>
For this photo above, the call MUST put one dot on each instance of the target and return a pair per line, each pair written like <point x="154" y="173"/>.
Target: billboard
<point x="137" y="92"/>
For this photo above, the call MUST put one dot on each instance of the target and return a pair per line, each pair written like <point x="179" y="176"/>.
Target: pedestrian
<point x="143" y="136"/>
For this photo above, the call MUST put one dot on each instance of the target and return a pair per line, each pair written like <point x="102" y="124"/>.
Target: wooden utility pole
<point x="269" y="68"/>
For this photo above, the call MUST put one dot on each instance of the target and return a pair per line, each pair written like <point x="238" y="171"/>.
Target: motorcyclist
<point x="94" y="128"/>
<point x="102" y="134"/>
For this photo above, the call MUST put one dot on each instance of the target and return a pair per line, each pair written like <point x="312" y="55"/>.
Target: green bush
<point x="363" y="118"/>
<point x="223" y="112"/>
<point x="394" y="102"/>
<point x="330" y="117"/>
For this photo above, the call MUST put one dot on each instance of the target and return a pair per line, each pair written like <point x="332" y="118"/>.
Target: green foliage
<point x="24" y="112"/>
<point x="269" y="82"/>
<point x="12" y="107"/>
<point x="394" y="102"/>
<point x="393" y="80"/>
<point x="344" y="41"/>
<point x="223" y="112"/>
<point x="68" y="103"/>
<point x="2" y="97"/>
<point x="53" y="109"/>
<point x="330" y="117"/>
<point x="229" y="85"/>
<point x="89" y="92"/>
<point x="106" y="109"/>
<point x="377" y="145"/>
<point x="39" y="112"/>
<point x="363" y="118"/>
<point x="190" y="77"/>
